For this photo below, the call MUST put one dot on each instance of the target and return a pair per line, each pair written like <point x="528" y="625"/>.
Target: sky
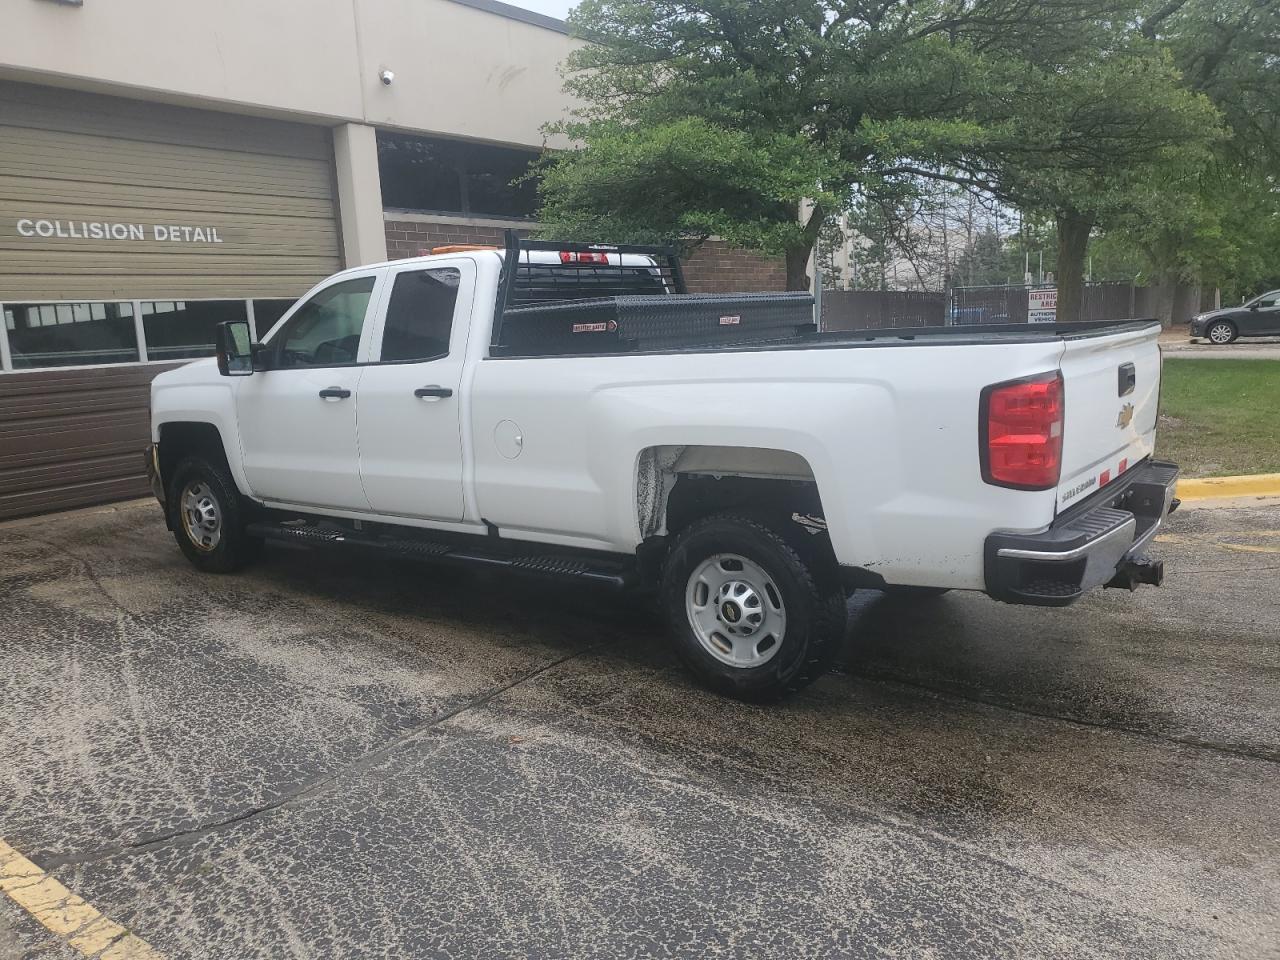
<point x="552" y="8"/>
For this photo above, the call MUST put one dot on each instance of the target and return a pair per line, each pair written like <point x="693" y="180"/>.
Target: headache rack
<point x="585" y="301"/>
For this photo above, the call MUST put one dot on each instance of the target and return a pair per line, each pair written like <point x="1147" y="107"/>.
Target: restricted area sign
<point x="1042" y="305"/>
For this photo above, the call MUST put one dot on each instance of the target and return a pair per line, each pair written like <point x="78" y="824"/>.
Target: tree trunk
<point x="1073" y="238"/>
<point x="798" y="268"/>
<point x="1166" y="301"/>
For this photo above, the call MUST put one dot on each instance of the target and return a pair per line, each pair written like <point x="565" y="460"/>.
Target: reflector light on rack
<point x="585" y="256"/>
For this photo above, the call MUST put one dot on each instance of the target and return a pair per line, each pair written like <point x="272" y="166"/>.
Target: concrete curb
<point x="1250" y="485"/>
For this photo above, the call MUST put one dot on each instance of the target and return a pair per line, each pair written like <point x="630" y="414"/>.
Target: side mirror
<point x="235" y="349"/>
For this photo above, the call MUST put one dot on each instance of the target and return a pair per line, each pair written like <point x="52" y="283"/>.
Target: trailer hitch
<point x="1132" y="571"/>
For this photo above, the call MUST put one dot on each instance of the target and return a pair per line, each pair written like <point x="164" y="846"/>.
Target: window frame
<point x="272" y="339"/>
<point x="462" y="308"/>
<point x="6" y="360"/>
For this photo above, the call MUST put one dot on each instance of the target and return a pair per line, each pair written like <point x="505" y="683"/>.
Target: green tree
<point x="1114" y="137"/>
<point x="1227" y="231"/>
<point x="723" y="117"/>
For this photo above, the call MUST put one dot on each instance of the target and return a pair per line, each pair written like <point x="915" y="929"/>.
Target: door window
<point x="420" y="315"/>
<point x="325" y="331"/>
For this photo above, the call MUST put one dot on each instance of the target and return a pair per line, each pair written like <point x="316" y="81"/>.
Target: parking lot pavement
<point x="1249" y="348"/>
<point x="328" y="756"/>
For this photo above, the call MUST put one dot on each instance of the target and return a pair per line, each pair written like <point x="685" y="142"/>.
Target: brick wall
<point x="715" y="267"/>
<point x="413" y="238"/>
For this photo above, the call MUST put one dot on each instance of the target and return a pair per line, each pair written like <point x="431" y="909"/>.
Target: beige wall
<point x="262" y="192"/>
<point x="459" y="71"/>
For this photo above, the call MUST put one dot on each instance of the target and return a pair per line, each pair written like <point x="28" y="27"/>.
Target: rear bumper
<point x="1099" y="542"/>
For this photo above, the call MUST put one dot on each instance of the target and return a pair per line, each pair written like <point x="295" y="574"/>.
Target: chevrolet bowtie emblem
<point x="1125" y="416"/>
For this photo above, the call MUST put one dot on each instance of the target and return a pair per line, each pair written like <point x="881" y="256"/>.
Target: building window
<point x="449" y="176"/>
<point x="70" y="334"/>
<point x="184" y="329"/>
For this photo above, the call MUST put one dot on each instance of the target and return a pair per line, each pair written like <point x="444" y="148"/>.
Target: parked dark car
<point x="1260" y="317"/>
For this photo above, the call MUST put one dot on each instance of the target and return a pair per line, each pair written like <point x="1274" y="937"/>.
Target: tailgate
<point x="1111" y="391"/>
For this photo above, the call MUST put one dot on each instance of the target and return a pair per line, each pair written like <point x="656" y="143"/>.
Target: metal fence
<point x="1104" y="300"/>
<point x="881" y="309"/>
<point x="1010" y="304"/>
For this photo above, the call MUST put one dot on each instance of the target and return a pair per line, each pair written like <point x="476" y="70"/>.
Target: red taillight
<point x="585" y="256"/>
<point x="1022" y="433"/>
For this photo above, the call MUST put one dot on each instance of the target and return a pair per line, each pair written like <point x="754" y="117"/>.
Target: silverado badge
<point x="1125" y="416"/>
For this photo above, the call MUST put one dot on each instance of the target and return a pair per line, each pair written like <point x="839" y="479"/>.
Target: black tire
<point x="234" y="548"/>
<point x="1221" y="324"/>
<point x="814" y="604"/>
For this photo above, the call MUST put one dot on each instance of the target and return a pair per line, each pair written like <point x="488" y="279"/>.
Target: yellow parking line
<point x="1222" y="545"/>
<point x="62" y="912"/>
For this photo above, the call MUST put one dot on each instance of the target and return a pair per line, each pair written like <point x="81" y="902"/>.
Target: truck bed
<point x="561" y="345"/>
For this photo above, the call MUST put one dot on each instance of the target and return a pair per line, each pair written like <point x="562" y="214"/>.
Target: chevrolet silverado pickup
<point x="567" y="411"/>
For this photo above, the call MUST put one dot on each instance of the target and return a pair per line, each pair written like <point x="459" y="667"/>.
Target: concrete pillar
<point x="355" y="154"/>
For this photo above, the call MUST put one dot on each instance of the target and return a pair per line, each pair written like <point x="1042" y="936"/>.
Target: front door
<point x="297" y="418"/>
<point x="408" y="405"/>
<point x="1264" y="317"/>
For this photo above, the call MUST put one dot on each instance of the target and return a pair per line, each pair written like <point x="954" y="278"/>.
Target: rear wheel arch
<point x="677" y="486"/>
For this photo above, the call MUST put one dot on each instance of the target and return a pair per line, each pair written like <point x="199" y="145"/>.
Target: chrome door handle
<point x="335" y="393"/>
<point x="432" y="393"/>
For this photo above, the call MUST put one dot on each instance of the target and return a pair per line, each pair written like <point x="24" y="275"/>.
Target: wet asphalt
<point x="332" y="756"/>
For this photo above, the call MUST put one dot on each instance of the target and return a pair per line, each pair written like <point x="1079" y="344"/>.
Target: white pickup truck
<point x="577" y="417"/>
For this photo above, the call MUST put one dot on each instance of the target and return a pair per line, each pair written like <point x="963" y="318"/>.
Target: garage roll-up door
<point x="105" y="198"/>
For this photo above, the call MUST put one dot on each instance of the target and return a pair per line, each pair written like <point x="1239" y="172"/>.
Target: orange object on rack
<point x="461" y="248"/>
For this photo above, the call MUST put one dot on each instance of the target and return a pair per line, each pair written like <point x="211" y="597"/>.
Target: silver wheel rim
<point x="1220" y="333"/>
<point x="735" y="610"/>
<point x="201" y="516"/>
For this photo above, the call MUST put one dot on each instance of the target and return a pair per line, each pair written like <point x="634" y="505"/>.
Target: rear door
<point x="1111" y="393"/>
<point x="409" y="400"/>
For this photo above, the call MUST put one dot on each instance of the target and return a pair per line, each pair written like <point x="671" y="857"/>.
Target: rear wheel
<point x="749" y="616"/>
<point x="1221" y="332"/>
<point x="207" y="517"/>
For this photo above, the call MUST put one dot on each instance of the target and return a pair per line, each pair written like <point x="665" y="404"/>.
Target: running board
<point x="590" y="569"/>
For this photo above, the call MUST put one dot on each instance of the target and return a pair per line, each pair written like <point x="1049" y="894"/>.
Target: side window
<point x="1270" y="300"/>
<point x="420" y="315"/>
<point x="325" y="332"/>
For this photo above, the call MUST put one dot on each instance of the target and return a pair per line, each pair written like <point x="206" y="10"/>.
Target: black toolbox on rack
<point x="641" y="323"/>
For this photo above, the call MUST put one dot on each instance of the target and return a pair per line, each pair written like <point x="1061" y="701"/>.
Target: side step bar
<point x="617" y="574"/>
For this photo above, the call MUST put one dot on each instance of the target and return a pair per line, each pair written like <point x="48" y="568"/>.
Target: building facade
<point x="166" y="166"/>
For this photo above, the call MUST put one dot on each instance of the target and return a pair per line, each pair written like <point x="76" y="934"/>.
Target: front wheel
<point x="207" y="517"/>
<point x="1221" y="332"/>
<point x="748" y="615"/>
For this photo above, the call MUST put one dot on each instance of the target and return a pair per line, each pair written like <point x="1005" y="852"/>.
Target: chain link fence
<point x="1013" y="304"/>
<point x="881" y="309"/>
